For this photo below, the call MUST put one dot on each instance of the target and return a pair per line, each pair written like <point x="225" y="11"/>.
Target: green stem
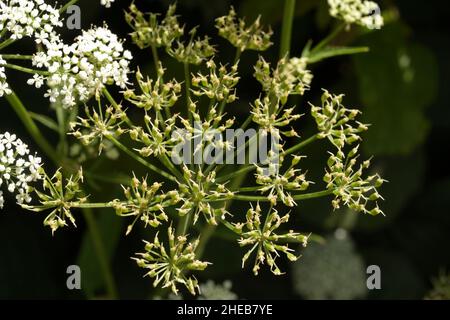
<point x="26" y="70"/>
<point x="249" y="168"/>
<point x="108" y="179"/>
<point x="183" y="225"/>
<point x="155" y="59"/>
<point x="237" y="56"/>
<point x="241" y="149"/>
<point x="243" y="170"/>
<point x="101" y="253"/>
<point x="187" y="80"/>
<point x="224" y="101"/>
<point x="286" y="30"/>
<point x="16" y="57"/>
<point x="219" y="156"/>
<point x="6" y="43"/>
<point x="328" y="39"/>
<point x="31" y="127"/>
<point x="67" y="5"/>
<point x="60" y="115"/>
<point x="93" y="205"/>
<point x="247" y="189"/>
<point x="157" y="63"/>
<point x="141" y="160"/>
<point x="166" y="161"/>
<point x="207" y="232"/>
<point x="3" y="32"/>
<point x="109" y="97"/>
<point x="301" y="145"/>
<point x="304" y="196"/>
<point x="161" y="119"/>
<point x="205" y="235"/>
<point x="247" y="122"/>
<point x="34" y="131"/>
<point x="137" y="157"/>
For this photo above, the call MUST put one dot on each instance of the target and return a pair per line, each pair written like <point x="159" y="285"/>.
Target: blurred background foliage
<point x="401" y="87"/>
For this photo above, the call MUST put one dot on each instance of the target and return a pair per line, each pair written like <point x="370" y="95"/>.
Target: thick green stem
<point x="101" y="253"/>
<point x="32" y="128"/>
<point x="286" y="30"/>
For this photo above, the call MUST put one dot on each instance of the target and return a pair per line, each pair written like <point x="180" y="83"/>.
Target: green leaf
<point x="330" y="52"/>
<point x="397" y="81"/>
<point x="44" y="120"/>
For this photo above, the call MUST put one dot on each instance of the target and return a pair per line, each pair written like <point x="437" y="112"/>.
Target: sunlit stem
<point x="286" y="30"/>
<point x="26" y="70"/>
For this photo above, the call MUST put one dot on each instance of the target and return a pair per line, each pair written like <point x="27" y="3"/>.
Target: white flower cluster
<point x="80" y="70"/>
<point x="17" y="168"/>
<point x="362" y="12"/>
<point x="4" y="87"/>
<point x="26" y="18"/>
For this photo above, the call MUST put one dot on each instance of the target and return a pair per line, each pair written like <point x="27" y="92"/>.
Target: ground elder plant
<point x="198" y="157"/>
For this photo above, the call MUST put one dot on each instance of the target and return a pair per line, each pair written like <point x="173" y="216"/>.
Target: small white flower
<point x="80" y="70"/>
<point x="37" y="81"/>
<point x="2" y="201"/>
<point x="17" y="168"/>
<point x="29" y="18"/>
<point x="106" y="3"/>
<point x="362" y="12"/>
<point x="4" y="87"/>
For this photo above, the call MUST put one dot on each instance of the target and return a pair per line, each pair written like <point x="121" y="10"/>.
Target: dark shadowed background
<point x="401" y="86"/>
